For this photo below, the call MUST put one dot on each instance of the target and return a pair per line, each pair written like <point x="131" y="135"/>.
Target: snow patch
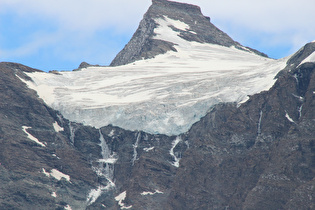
<point x="176" y="159"/>
<point x="112" y="133"/>
<point x="54" y="155"/>
<point x="148" y="149"/>
<point x="175" y="23"/>
<point x="243" y="101"/>
<point x="59" y="175"/>
<point x="46" y="91"/>
<point x="288" y="117"/>
<point x="29" y="136"/>
<point x="94" y="194"/>
<point x="152" y="193"/>
<point x="56" y="174"/>
<point x="244" y="48"/>
<point x="67" y="207"/>
<point x="46" y="173"/>
<point x="120" y="198"/>
<point x="57" y="127"/>
<point x="110" y="160"/>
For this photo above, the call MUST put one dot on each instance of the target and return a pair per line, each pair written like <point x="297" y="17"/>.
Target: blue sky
<point x="60" y="34"/>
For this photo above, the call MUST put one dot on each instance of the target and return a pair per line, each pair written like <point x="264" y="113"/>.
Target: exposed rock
<point x="23" y="161"/>
<point x="84" y="65"/>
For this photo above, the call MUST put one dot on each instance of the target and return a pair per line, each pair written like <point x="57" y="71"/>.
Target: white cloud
<point x="36" y="42"/>
<point x="284" y="21"/>
<point x="261" y="15"/>
<point x="83" y="14"/>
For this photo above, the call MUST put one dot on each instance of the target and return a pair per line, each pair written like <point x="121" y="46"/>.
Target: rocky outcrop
<point x="84" y="65"/>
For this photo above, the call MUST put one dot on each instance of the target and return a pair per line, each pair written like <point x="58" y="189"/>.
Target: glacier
<point x="162" y="95"/>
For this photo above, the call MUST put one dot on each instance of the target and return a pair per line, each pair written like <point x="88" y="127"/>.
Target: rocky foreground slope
<point x="258" y="154"/>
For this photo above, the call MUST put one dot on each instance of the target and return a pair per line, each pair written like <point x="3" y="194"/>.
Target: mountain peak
<point x="145" y="44"/>
<point x="176" y="5"/>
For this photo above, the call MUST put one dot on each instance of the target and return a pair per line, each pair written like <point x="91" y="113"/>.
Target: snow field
<point x="163" y="95"/>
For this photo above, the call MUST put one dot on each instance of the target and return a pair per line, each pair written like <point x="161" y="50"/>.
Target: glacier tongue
<point x="164" y="95"/>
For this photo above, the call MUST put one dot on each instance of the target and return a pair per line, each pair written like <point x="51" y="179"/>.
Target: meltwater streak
<point x="105" y="169"/>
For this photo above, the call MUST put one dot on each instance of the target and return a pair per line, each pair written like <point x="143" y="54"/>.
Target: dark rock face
<point x="143" y="45"/>
<point x="23" y="183"/>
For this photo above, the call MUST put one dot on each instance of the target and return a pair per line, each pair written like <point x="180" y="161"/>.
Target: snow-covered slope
<point x="166" y="94"/>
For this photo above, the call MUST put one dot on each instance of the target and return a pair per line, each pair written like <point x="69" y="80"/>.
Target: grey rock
<point x="84" y="65"/>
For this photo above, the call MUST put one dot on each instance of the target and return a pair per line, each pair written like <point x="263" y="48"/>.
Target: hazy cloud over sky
<point x="55" y="34"/>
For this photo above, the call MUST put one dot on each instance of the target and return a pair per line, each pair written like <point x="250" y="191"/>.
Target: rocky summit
<point x="143" y="45"/>
<point x="251" y="147"/>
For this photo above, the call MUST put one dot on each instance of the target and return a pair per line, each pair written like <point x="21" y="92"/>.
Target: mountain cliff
<point x="251" y="146"/>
